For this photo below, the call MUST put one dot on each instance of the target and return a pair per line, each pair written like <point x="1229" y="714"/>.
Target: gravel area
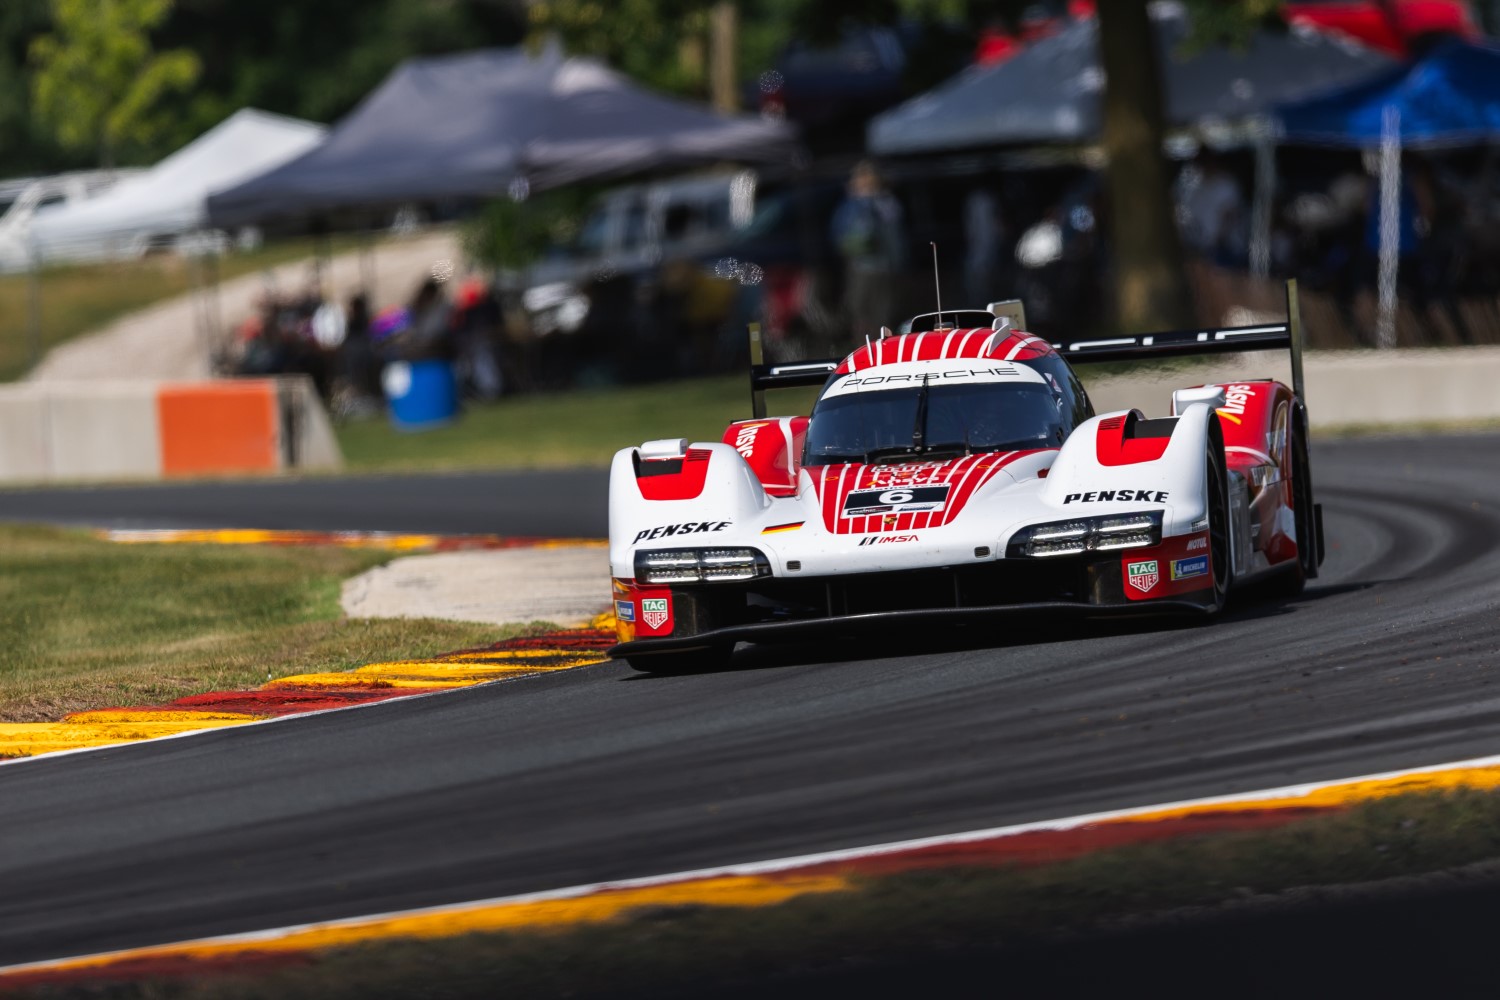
<point x="565" y="586"/>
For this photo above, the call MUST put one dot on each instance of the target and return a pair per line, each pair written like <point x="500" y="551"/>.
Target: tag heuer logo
<point x="1142" y="575"/>
<point x="654" y="610"/>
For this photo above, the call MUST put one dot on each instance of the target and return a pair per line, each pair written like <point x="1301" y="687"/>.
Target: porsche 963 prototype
<point x="957" y="470"/>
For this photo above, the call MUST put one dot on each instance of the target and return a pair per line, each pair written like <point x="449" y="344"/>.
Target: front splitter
<point x="854" y="625"/>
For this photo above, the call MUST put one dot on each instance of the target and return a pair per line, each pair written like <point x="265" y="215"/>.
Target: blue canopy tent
<point x="1448" y="99"/>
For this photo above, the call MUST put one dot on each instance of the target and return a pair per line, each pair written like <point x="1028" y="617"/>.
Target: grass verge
<point x="583" y="428"/>
<point x="889" y="930"/>
<point x="78" y="299"/>
<point x="92" y="624"/>
<point x="586" y="427"/>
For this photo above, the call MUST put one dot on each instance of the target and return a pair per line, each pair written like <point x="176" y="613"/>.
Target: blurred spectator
<point x="281" y="340"/>
<point x="358" y="365"/>
<point x="1212" y="212"/>
<point x="869" y="232"/>
<point x="1414" y="210"/>
<point x="984" y="235"/>
<point x="428" y="336"/>
<point x="478" y="331"/>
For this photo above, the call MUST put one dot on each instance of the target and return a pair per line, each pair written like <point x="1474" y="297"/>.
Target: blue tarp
<point x="1449" y="98"/>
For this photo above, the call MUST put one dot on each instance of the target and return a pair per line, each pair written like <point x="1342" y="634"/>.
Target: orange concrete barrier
<point x="227" y="426"/>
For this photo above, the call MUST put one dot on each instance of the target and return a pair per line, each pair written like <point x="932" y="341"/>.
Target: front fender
<point x="1121" y="462"/>
<point x="727" y="494"/>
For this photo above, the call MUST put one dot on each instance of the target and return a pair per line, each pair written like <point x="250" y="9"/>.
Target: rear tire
<point x="691" y="661"/>
<point x="1216" y="490"/>
<point x="1292" y="581"/>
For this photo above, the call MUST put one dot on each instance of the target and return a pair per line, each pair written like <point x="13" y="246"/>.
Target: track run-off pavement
<point x="1390" y="659"/>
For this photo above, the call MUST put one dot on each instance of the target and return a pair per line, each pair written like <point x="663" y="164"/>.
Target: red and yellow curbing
<point x="382" y="540"/>
<point x="303" y="693"/>
<point x="757" y="884"/>
<point x="297" y="945"/>
<point x="300" y="694"/>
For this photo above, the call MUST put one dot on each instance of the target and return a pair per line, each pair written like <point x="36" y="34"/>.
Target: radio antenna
<point x="937" y="285"/>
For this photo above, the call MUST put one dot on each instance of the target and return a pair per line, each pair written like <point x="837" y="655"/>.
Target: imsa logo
<point x="655" y="611"/>
<point x="1142" y="575"/>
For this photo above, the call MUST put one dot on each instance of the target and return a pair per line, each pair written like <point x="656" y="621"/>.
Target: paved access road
<point x="1392" y="659"/>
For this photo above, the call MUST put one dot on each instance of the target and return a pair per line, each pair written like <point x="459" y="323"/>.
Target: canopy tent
<point x="481" y="123"/>
<point x="1052" y="92"/>
<point x="1449" y="98"/>
<point x="170" y="199"/>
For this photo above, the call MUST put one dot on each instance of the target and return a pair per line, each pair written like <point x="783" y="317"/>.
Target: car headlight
<point x="1087" y="534"/>
<point x="699" y="565"/>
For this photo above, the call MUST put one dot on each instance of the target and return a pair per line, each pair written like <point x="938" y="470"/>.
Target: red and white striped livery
<point x="956" y="471"/>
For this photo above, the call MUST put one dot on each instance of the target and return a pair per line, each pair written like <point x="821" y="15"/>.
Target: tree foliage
<point x="98" y="83"/>
<point x="514" y="233"/>
<point x="662" y="43"/>
<point x="313" y="60"/>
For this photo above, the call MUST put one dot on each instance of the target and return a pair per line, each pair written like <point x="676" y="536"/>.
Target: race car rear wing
<point x="790" y="375"/>
<point x="1176" y="343"/>
<point x="1172" y="343"/>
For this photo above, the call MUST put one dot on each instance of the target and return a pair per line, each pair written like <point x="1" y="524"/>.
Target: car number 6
<point x="896" y="496"/>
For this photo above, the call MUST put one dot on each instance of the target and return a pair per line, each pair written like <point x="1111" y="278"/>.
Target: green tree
<point x="23" y="147"/>
<point x="98" y="85"/>
<point x="1151" y="284"/>
<point x="662" y="43"/>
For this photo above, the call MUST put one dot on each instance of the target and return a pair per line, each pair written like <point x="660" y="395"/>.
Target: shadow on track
<point x="1252" y="605"/>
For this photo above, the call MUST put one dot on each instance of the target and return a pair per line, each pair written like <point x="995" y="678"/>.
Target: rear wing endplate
<point x="1176" y="343"/>
<point x="791" y="375"/>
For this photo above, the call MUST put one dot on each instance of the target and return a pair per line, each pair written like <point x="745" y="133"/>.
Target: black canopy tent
<point x="481" y="123"/>
<point x="1053" y="91"/>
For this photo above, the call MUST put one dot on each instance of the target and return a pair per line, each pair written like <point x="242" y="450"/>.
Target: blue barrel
<point x="421" y="394"/>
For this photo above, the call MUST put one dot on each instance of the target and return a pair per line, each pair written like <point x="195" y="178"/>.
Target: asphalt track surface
<point x="555" y="504"/>
<point x="1389" y="660"/>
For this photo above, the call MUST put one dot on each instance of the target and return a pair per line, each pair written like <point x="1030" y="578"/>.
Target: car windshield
<point x="891" y="425"/>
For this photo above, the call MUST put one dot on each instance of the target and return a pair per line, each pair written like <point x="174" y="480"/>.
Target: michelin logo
<point x="1186" y="569"/>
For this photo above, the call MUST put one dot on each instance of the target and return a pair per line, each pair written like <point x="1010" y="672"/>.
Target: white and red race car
<point x="955" y="471"/>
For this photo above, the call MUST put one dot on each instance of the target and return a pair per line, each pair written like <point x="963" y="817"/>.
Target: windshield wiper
<point x="919" y="430"/>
